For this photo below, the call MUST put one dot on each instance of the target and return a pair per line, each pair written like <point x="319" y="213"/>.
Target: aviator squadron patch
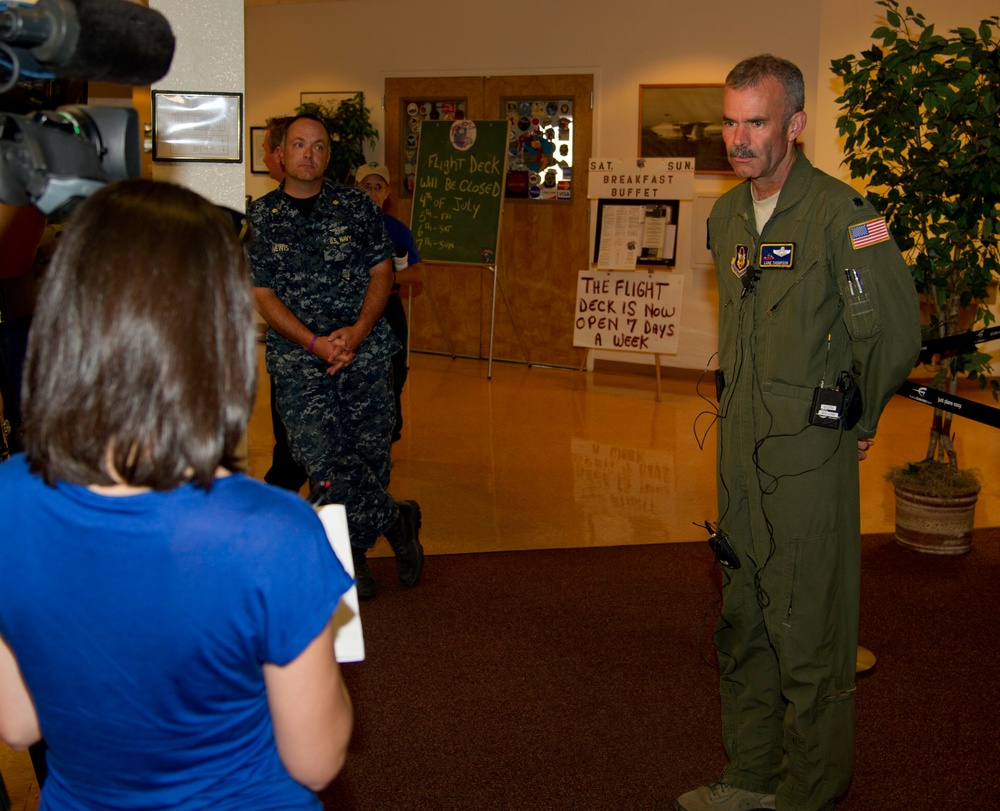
<point x="740" y="263"/>
<point x="776" y="254"/>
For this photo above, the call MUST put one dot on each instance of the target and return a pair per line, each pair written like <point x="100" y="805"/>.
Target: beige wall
<point x="340" y="46"/>
<point x="356" y="44"/>
<point x="208" y="58"/>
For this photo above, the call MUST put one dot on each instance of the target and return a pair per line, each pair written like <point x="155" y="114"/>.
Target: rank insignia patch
<point x="776" y="254"/>
<point x="741" y="262"/>
<point x="868" y="233"/>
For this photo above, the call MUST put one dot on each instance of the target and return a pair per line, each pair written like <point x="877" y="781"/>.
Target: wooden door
<point x="543" y="243"/>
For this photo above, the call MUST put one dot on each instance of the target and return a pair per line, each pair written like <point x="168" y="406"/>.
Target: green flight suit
<point x="788" y="491"/>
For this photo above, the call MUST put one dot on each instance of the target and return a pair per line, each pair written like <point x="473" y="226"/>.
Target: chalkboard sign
<point x="461" y="169"/>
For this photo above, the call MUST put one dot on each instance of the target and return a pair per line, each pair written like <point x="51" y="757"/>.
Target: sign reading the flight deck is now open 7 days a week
<point x="630" y="310"/>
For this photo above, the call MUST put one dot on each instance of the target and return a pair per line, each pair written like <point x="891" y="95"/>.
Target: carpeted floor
<point x="585" y="679"/>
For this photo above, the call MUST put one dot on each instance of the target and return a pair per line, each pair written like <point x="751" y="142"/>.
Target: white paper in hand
<point x="350" y="642"/>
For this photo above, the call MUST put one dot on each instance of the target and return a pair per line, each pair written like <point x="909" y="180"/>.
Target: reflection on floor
<point x="540" y="458"/>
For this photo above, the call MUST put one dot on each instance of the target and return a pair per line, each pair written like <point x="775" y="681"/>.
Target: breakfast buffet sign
<point x="641" y="179"/>
<point x="630" y="310"/>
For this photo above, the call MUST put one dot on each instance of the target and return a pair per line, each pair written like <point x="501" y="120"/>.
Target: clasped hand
<point x="338" y="348"/>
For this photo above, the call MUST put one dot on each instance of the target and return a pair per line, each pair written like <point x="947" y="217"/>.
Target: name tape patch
<point x="776" y="254"/>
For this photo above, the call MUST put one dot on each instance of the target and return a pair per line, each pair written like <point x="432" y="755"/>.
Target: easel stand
<point x="656" y="362"/>
<point x="495" y="270"/>
<point x="493" y="319"/>
<point x="497" y="290"/>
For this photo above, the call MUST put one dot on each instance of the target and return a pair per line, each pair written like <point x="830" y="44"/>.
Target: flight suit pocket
<point x="860" y="315"/>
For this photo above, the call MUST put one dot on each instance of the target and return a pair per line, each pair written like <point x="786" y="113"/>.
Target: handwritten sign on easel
<point x="629" y="310"/>
<point x="458" y="196"/>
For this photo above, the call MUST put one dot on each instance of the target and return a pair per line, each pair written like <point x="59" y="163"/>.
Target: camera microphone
<point x="94" y="40"/>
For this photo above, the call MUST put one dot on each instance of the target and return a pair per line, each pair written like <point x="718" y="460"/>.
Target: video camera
<point x="52" y="159"/>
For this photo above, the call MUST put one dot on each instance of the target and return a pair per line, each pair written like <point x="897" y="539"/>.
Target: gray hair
<point x="751" y="72"/>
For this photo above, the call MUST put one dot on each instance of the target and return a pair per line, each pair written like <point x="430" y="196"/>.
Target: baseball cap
<point x="373" y="168"/>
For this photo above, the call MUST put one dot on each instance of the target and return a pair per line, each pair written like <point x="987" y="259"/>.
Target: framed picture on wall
<point x="257" y="165"/>
<point x="683" y="121"/>
<point x="197" y="126"/>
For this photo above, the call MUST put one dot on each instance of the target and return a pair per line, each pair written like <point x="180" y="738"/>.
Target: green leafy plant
<point x="350" y="129"/>
<point x="921" y="125"/>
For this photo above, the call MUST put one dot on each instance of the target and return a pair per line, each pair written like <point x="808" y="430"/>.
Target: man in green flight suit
<point x="818" y="326"/>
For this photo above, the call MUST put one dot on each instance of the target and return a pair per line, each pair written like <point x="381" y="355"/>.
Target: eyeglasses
<point x="375" y="187"/>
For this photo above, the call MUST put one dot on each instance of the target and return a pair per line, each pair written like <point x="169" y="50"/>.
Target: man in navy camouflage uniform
<point x="321" y="269"/>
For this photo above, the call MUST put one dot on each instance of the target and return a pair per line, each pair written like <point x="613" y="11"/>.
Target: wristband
<point x="312" y="344"/>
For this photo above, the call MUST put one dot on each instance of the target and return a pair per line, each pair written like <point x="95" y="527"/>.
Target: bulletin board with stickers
<point x="415" y="112"/>
<point x="540" y="154"/>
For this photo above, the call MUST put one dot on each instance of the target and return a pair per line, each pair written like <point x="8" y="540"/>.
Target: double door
<point x="544" y="232"/>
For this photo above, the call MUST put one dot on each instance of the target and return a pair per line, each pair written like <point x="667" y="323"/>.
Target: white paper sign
<point x="641" y="179"/>
<point x="350" y="642"/>
<point x="621" y="231"/>
<point x="629" y="310"/>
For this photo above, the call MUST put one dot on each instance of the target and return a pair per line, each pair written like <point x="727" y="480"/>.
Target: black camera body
<point x="54" y="158"/>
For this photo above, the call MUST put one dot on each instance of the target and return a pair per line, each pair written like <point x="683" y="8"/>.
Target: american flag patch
<point x="868" y="233"/>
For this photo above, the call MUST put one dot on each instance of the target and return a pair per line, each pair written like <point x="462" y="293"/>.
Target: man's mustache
<point x="742" y="152"/>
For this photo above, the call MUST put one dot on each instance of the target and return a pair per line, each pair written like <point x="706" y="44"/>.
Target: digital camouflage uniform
<point x="338" y="425"/>
<point x="788" y="491"/>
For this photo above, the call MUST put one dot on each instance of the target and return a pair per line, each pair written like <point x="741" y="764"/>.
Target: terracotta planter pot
<point x="939" y="525"/>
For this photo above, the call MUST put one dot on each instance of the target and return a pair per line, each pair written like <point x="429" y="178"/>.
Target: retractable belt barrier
<point x="957" y="344"/>
<point x="953" y="345"/>
<point x="950" y="402"/>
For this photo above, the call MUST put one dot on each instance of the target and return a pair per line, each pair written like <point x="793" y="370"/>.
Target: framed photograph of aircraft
<point x="683" y="121"/>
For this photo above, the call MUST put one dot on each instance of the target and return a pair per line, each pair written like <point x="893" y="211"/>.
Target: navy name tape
<point x="776" y="254"/>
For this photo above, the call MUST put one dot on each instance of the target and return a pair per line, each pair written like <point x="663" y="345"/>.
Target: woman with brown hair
<point x="164" y="619"/>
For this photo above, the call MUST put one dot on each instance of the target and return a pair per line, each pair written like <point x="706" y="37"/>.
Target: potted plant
<point x="921" y="125"/>
<point x="350" y="129"/>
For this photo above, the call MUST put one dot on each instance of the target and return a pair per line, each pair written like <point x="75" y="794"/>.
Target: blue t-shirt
<point x="141" y="625"/>
<point x="400" y="235"/>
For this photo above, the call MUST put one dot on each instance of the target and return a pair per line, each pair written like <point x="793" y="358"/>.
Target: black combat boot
<point x="367" y="586"/>
<point x="404" y="538"/>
